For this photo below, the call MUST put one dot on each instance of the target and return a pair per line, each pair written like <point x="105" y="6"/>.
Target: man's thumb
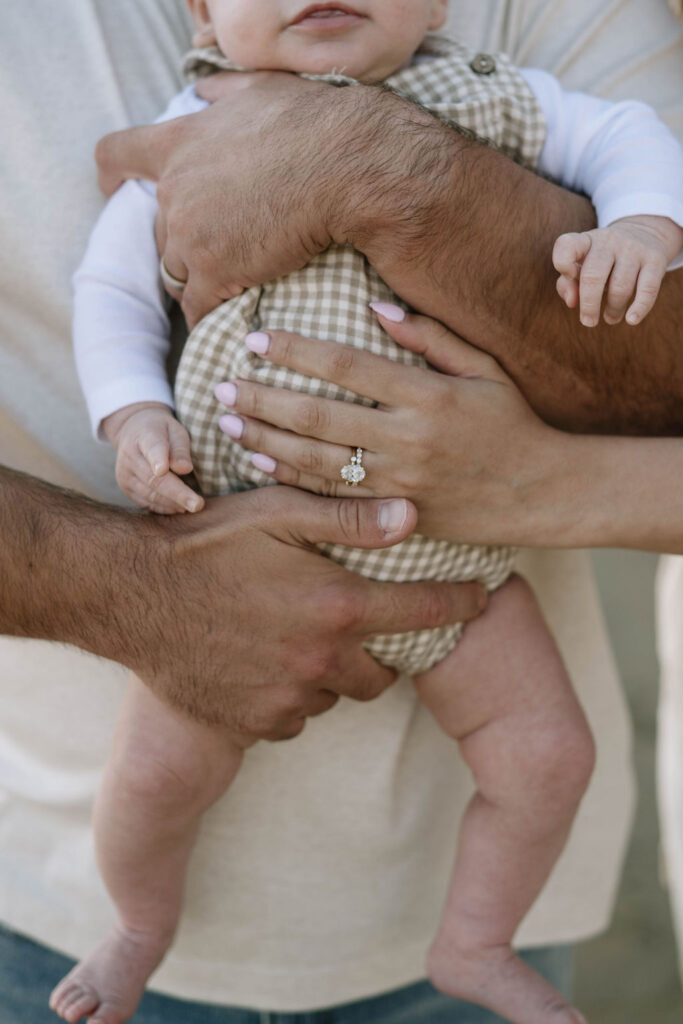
<point x="357" y="522"/>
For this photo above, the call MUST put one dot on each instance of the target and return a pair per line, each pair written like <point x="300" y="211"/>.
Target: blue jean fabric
<point x="28" y="973"/>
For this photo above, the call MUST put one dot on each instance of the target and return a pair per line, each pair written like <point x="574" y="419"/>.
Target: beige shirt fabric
<point x="320" y="877"/>
<point x="670" y="734"/>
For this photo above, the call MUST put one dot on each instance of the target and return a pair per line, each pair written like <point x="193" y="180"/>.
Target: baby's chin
<point x="350" y="69"/>
<point x="327" y="59"/>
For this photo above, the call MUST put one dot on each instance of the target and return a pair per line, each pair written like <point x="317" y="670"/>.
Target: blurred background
<point x="629" y="975"/>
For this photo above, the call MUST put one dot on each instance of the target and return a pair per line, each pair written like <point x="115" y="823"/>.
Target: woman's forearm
<point x="590" y="491"/>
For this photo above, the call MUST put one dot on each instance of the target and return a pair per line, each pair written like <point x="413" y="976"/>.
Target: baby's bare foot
<point x="107" y="986"/>
<point x="497" y="978"/>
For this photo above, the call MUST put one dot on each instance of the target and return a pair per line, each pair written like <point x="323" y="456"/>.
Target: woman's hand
<point x="462" y="443"/>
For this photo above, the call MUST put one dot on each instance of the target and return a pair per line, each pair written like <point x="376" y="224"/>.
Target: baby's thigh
<point x="505" y="695"/>
<point x="505" y="657"/>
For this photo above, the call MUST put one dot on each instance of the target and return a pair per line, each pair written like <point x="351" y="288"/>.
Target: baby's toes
<point x="73" y="1000"/>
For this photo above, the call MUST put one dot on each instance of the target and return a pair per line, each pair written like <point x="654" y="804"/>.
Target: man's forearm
<point x="465" y="235"/>
<point x="61" y="564"/>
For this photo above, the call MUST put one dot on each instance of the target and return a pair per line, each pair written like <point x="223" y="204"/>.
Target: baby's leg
<point x="504" y="694"/>
<point x="163" y="772"/>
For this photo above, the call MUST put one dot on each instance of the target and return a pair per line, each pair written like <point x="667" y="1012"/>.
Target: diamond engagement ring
<point x="353" y="471"/>
<point x="171" y="282"/>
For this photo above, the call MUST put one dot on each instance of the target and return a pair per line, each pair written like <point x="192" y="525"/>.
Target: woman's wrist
<point x="606" y="491"/>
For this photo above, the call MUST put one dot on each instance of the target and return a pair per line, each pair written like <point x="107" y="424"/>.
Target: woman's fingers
<point x="440" y="347"/>
<point x="290" y="477"/>
<point x="342" y="423"/>
<point x="374" y="377"/>
<point x="297" y="458"/>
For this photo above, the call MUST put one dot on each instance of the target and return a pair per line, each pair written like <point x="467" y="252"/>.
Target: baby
<point x="523" y="733"/>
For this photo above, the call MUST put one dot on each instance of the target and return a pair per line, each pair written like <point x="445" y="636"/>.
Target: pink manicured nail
<point x="264" y="462"/>
<point x="226" y="393"/>
<point x="233" y="426"/>
<point x="258" y="342"/>
<point x="389" y="311"/>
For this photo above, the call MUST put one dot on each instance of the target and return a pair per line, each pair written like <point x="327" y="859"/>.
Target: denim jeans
<point x="28" y="973"/>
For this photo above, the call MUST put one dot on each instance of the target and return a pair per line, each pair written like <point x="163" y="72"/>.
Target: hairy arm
<point x="277" y="168"/>
<point x="466" y="236"/>
<point x="50" y="591"/>
<point x="179" y="598"/>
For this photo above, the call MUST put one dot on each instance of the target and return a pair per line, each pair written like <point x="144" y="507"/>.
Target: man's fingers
<point x="174" y="273"/>
<point x="133" y="153"/>
<point x="363" y="678"/>
<point x="204" y="293"/>
<point x="356" y="522"/>
<point x="403" y="607"/>
<point x="439" y="345"/>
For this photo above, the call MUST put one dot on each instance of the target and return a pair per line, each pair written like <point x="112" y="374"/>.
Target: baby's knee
<point x="558" y="759"/>
<point x="167" y="781"/>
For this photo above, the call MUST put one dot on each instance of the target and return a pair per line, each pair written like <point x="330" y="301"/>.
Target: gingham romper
<point x="329" y="299"/>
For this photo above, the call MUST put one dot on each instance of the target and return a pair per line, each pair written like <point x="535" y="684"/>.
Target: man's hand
<point x="253" y="189"/>
<point x="230" y="615"/>
<point x="270" y="201"/>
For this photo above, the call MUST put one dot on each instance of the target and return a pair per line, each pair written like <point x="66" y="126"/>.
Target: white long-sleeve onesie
<point x="620" y="155"/>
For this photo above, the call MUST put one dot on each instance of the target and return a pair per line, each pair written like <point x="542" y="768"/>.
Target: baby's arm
<point x="152" y="452"/>
<point x="629" y="256"/>
<point x="631" y="166"/>
<point x="121" y="344"/>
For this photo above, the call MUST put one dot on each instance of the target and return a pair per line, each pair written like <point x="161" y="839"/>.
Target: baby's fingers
<point x="647" y="290"/>
<point x="154" y="447"/>
<point x="621" y="286"/>
<point x="569" y="252"/>
<point x="595" y="272"/>
<point x="166" y="495"/>
<point x="180" y="460"/>
<point x="568" y="290"/>
<point x="170" y="489"/>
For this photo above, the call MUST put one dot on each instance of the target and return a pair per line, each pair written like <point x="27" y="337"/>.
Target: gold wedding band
<point x="171" y="282"/>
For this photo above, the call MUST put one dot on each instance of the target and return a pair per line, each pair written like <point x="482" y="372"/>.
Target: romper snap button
<point x="483" y="64"/>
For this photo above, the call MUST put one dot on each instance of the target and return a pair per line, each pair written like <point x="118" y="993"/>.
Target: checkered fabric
<point x="329" y="299"/>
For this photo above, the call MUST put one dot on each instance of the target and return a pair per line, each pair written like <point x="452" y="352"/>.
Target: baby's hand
<point x="152" y="451"/>
<point x="631" y="255"/>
